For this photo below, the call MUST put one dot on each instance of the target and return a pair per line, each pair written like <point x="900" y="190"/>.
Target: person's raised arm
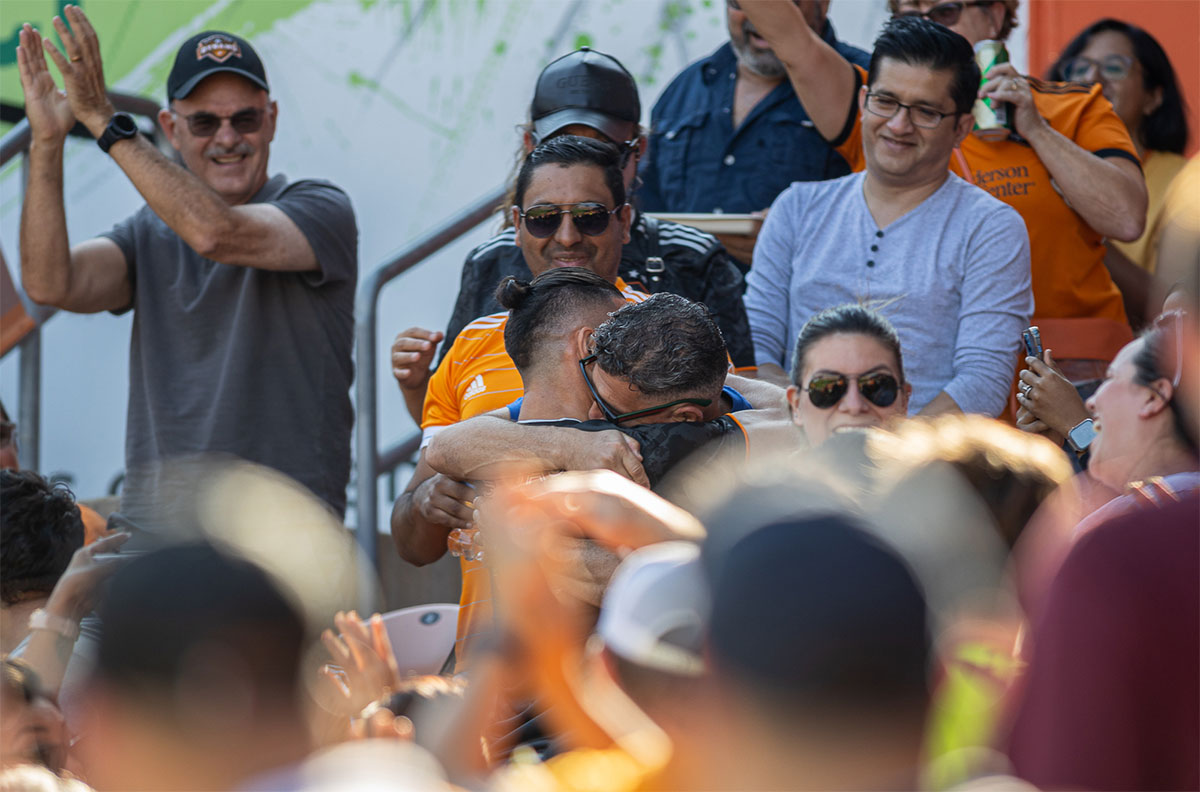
<point x="1109" y="193"/>
<point x="484" y="446"/>
<point x="824" y="81"/>
<point x="93" y="276"/>
<point x="431" y="506"/>
<point x="249" y="235"/>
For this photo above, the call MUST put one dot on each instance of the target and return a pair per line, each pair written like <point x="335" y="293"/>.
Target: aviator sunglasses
<point x="946" y="14"/>
<point x="878" y="388"/>
<point x="590" y="219"/>
<point x="244" y="122"/>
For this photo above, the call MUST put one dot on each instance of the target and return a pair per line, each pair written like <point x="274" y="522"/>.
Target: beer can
<point x="993" y="118"/>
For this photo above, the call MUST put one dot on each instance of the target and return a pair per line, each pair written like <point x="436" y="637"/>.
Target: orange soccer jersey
<point x="478" y="376"/>
<point x="1067" y="256"/>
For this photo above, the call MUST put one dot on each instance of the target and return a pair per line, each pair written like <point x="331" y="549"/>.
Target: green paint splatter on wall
<point x="500" y="48"/>
<point x="582" y="40"/>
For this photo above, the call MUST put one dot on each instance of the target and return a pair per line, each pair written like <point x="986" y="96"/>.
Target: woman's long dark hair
<point x="1165" y="129"/>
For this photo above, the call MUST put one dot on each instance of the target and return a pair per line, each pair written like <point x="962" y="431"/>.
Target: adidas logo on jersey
<point x="475" y="388"/>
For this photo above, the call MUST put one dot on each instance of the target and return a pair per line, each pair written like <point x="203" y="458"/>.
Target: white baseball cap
<point x="655" y="610"/>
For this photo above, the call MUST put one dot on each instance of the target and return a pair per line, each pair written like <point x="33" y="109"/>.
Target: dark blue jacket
<point x="698" y="163"/>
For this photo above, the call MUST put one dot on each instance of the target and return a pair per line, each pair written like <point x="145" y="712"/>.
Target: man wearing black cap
<point x="590" y="94"/>
<point x="242" y="285"/>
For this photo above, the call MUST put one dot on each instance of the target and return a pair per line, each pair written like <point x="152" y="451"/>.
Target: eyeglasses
<point x="878" y="388"/>
<point x="946" y="13"/>
<point x="1110" y="67"/>
<point x="7" y="432"/>
<point x="628" y="148"/>
<point x="611" y="415"/>
<point x="887" y="107"/>
<point x="244" y="122"/>
<point x="543" y="220"/>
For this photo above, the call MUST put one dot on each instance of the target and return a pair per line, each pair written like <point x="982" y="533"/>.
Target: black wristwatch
<point x="120" y="127"/>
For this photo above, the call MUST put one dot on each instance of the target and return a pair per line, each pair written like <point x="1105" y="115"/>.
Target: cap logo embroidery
<point x="217" y="47"/>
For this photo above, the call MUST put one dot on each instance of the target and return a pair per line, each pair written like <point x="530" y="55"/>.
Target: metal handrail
<point x="371" y="462"/>
<point x="29" y="410"/>
<point x="18" y="138"/>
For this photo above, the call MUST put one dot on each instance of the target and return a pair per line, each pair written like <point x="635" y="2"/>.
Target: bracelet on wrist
<point x="41" y="619"/>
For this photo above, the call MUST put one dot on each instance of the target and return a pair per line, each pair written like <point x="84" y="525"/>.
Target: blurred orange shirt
<point x="476" y="377"/>
<point x="1067" y="257"/>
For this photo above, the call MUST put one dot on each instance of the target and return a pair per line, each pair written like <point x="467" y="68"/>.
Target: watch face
<point x="1082" y="435"/>
<point x="124" y="124"/>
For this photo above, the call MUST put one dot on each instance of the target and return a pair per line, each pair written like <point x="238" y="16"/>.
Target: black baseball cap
<point x="585" y="87"/>
<point x="210" y="52"/>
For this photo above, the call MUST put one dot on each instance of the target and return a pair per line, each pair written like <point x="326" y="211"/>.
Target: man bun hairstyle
<point x="542" y="309"/>
<point x="851" y="318"/>
<point x="919" y="42"/>
<point x="667" y="346"/>
<point x="567" y="150"/>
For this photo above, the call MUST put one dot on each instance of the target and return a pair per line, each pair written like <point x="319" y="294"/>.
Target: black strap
<point x="654" y="259"/>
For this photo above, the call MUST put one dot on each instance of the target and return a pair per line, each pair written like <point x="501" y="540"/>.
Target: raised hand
<point x="46" y="107"/>
<point x="82" y="70"/>
<point x="412" y="355"/>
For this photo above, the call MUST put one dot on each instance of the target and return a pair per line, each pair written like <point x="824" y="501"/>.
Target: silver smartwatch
<point x="1081" y="435"/>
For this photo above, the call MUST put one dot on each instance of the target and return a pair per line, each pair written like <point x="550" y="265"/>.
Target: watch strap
<point x="120" y="127"/>
<point x="41" y="619"/>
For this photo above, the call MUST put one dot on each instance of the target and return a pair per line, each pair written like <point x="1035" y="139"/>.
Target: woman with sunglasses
<point x="1134" y="74"/>
<point x="847" y="374"/>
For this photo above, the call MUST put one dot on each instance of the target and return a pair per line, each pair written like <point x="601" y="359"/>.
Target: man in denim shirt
<point x="729" y="134"/>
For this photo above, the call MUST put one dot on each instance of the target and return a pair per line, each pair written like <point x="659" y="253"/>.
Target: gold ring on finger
<point x="76" y="59"/>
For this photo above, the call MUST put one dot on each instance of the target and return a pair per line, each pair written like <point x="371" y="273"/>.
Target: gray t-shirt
<point x="952" y="276"/>
<point x="242" y="361"/>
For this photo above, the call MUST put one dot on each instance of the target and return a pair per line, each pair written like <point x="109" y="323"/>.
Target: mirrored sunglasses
<point x="543" y="220"/>
<point x="878" y="388"/>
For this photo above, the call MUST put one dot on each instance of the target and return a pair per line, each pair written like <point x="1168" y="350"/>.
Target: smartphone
<point x="1033" y="342"/>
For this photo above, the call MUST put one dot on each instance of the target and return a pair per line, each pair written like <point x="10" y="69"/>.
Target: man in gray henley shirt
<point x="943" y="260"/>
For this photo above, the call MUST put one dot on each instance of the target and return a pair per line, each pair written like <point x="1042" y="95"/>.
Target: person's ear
<point x="625" y="216"/>
<point x="1154" y="100"/>
<point x="862" y="99"/>
<point x="793" y="398"/>
<point x="166" y="120"/>
<point x="644" y="143"/>
<point x="686" y="413"/>
<point x="516" y="221"/>
<point x="581" y="342"/>
<point x="528" y="141"/>
<point x="270" y="121"/>
<point x="1158" y="399"/>
<point x="997" y="12"/>
<point x="963" y="124"/>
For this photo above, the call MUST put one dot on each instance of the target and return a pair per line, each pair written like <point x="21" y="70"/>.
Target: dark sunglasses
<point x="590" y="219"/>
<point x="611" y="415"/>
<point x="878" y="388"/>
<point x="946" y="13"/>
<point x="244" y="122"/>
